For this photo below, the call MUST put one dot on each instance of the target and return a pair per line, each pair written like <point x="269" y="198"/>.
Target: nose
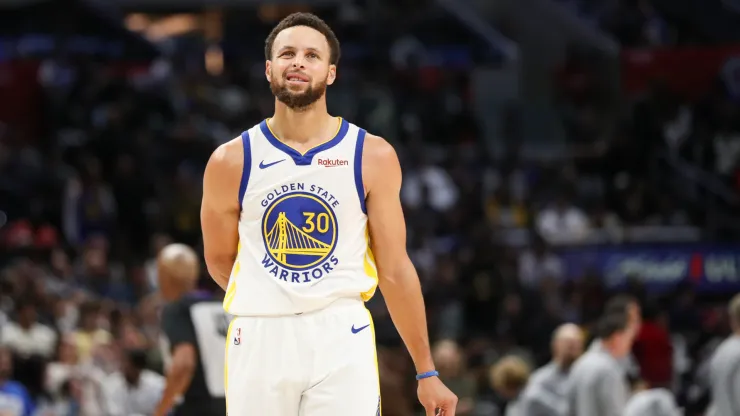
<point x="298" y="62"/>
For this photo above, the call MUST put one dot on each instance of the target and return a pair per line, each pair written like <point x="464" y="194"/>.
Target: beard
<point x="296" y="100"/>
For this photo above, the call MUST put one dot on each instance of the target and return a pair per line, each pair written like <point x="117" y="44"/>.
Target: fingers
<point x="448" y="408"/>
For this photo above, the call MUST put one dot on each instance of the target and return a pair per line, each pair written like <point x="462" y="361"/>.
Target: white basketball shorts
<point x="320" y="363"/>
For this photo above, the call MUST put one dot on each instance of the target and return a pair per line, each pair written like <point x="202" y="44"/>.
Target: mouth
<point x="296" y="77"/>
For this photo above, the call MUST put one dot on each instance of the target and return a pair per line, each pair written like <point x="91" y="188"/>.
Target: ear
<point x="268" y="71"/>
<point x="332" y="75"/>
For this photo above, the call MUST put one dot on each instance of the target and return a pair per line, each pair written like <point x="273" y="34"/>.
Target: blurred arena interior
<point x="555" y="152"/>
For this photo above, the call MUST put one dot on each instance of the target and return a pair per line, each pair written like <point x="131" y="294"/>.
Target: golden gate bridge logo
<point x="299" y="230"/>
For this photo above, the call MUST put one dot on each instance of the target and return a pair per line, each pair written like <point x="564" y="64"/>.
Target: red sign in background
<point x="690" y="72"/>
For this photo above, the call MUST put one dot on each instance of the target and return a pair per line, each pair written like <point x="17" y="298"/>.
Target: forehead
<point x="301" y="37"/>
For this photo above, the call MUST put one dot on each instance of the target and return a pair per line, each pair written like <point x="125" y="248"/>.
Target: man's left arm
<point x="179" y="332"/>
<point x="397" y="276"/>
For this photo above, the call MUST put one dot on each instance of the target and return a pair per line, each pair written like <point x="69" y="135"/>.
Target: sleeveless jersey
<point x="303" y="237"/>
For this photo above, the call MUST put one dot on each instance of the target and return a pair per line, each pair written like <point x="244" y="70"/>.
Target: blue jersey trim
<point x="305" y="158"/>
<point x="246" y="170"/>
<point x="358" y="169"/>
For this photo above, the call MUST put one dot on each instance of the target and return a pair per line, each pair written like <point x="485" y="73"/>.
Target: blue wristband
<point x="427" y="375"/>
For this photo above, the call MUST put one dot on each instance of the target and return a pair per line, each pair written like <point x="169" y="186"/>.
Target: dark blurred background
<point x="555" y="152"/>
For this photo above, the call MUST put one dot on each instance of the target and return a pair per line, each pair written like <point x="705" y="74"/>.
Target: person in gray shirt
<point x="628" y="305"/>
<point x="724" y="369"/>
<point x="545" y="393"/>
<point x="651" y="402"/>
<point x="597" y="383"/>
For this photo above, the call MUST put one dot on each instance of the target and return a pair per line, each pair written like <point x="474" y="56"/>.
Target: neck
<point x="609" y="347"/>
<point x="300" y="125"/>
<point x="562" y="365"/>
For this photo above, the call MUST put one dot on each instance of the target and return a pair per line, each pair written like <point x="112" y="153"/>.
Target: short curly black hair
<point x="309" y="20"/>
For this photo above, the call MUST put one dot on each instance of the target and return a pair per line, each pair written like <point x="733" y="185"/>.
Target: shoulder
<point x="229" y="155"/>
<point x="378" y="150"/>
<point x="14" y="387"/>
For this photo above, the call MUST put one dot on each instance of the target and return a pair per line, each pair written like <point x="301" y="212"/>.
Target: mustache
<point x="286" y="74"/>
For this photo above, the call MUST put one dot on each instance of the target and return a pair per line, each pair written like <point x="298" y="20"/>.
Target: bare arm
<point x="179" y="377"/>
<point x="398" y="280"/>
<point x="219" y="211"/>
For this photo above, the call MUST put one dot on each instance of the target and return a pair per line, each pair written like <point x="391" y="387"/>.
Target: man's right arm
<point x="220" y="208"/>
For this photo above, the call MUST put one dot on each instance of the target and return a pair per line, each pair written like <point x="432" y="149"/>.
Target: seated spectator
<point x="14" y="398"/>
<point x="88" y="335"/>
<point x="538" y="263"/>
<point x="562" y="222"/>
<point x="67" y="379"/>
<point x="504" y="211"/>
<point x="26" y="336"/>
<point x="508" y="378"/>
<point x="134" y="390"/>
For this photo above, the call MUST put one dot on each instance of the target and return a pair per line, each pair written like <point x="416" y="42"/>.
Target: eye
<point x="287" y="54"/>
<point x="312" y="55"/>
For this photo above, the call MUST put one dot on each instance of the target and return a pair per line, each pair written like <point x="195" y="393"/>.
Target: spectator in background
<point x="26" y="336"/>
<point x="68" y="380"/>
<point x="539" y="263"/>
<point x="14" y="398"/>
<point x="441" y="191"/>
<point x="724" y="370"/>
<point x="562" y="222"/>
<point x="508" y="378"/>
<point x="504" y="211"/>
<point x="653" y="402"/>
<point x="449" y="362"/>
<point x="89" y="205"/>
<point x="546" y="391"/>
<point x="653" y="349"/>
<point x="88" y="334"/>
<point x="597" y="383"/>
<point x="135" y="390"/>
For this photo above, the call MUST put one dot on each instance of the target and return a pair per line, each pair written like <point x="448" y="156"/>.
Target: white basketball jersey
<point x="303" y="238"/>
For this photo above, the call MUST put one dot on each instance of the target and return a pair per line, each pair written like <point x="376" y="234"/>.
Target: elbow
<point x="218" y="265"/>
<point x="398" y="272"/>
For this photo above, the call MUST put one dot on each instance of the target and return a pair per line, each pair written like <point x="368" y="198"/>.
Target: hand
<point x="433" y="395"/>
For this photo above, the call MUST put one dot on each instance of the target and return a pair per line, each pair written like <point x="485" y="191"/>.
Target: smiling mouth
<point x="298" y="78"/>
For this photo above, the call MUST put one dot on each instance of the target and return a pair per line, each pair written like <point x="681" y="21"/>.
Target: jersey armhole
<point x="359" y="184"/>
<point x="247" y="168"/>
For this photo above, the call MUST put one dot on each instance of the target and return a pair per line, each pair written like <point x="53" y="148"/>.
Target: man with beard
<point x="291" y="210"/>
<point x="546" y="391"/>
<point x="194" y="331"/>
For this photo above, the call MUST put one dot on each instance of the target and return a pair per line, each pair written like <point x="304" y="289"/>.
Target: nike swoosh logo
<point x="264" y="165"/>
<point x="356" y="330"/>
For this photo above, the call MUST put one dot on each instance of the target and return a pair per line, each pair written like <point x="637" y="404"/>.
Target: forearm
<point x="178" y="381"/>
<point x="402" y="294"/>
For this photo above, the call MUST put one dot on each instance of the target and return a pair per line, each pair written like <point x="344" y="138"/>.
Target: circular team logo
<point x="299" y="230"/>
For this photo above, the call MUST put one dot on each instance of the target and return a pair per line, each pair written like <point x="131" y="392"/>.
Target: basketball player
<point x="301" y="222"/>
<point x="724" y="369"/>
<point x="194" y="327"/>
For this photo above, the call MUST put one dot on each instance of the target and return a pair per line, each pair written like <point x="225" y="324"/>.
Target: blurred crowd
<point x="112" y="173"/>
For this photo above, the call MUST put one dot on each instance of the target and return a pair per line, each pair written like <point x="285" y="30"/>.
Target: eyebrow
<point x="287" y="48"/>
